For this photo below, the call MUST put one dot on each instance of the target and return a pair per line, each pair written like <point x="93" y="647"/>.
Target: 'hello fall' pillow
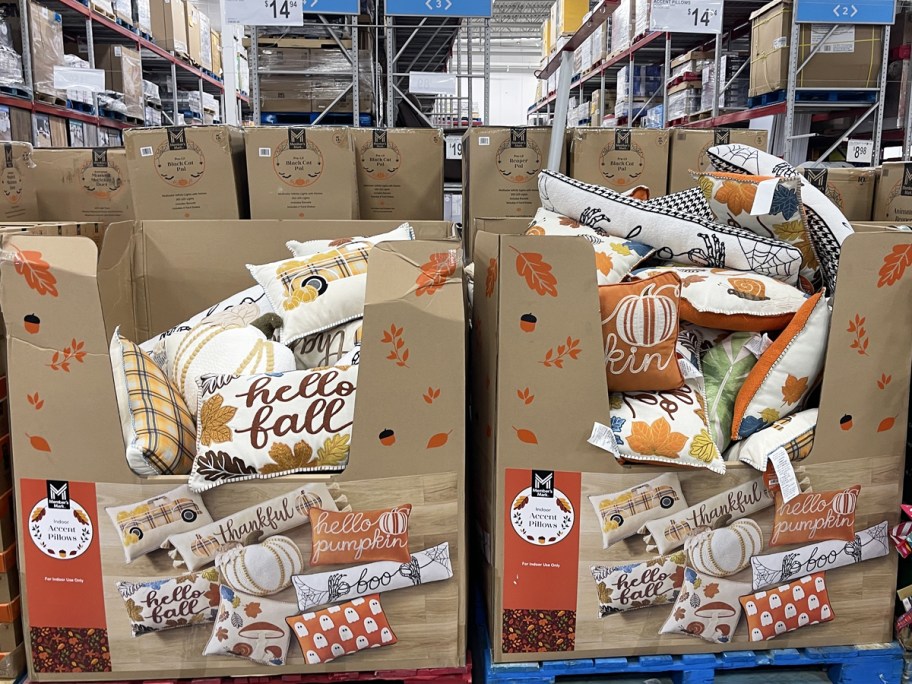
<point x="639" y="585"/>
<point x="154" y="605"/>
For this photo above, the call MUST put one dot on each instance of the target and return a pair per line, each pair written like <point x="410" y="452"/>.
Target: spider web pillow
<point x="676" y="236"/>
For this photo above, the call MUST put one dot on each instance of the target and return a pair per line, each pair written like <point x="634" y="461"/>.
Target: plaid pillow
<point x="158" y="428"/>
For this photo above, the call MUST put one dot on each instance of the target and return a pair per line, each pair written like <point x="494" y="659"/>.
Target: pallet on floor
<point x="834" y="96"/>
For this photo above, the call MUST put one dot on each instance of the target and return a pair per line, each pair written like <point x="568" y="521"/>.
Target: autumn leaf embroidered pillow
<point x="157" y="604"/>
<point x="273" y="424"/>
<point x="638" y="585"/>
<point x="639" y="333"/>
<point x="786" y="372"/>
<point x="614" y="257"/>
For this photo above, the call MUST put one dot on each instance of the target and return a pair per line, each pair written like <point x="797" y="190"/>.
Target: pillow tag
<point x="603" y="437"/>
<point x="758" y="344"/>
<point x="788" y="483"/>
<point x="763" y="199"/>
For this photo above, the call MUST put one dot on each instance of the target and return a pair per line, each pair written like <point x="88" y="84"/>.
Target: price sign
<point x="454" y="147"/>
<point x="687" y="16"/>
<point x="264" y="12"/>
<point x="860" y="152"/>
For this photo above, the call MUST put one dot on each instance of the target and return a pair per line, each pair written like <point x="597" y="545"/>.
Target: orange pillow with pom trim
<point x="360" y="536"/>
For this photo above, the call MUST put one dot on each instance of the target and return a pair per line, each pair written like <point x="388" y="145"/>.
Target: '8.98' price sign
<point x="686" y="16"/>
<point x="264" y="12"/>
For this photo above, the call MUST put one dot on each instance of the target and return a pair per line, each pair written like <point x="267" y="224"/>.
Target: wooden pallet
<point x="296" y="42"/>
<point x="834" y="96"/>
<point x="51" y="99"/>
<point x="104" y="11"/>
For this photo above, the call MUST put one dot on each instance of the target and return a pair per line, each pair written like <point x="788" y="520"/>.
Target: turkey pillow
<point x="358" y="536"/>
<point x="788" y="607"/>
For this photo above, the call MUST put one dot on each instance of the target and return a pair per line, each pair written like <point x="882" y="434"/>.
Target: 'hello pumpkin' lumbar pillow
<point x="360" y="536"/>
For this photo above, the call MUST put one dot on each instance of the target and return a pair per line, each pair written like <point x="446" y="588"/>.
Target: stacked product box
<point x="622" y="26"/>
<point x="735" y="95"/>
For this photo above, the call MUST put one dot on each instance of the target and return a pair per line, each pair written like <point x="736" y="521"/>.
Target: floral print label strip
<point x="155" y="605"/>
<point x="638" y="585"/>
<point x="538" y="631"/>
<point x="273" y="424"/>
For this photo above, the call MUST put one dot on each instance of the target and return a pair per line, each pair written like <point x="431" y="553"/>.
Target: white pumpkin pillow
<point x="827" y="226"/>
<point x="235" y="345"/>
<point x="273" y="424"/>
<point x="260" y="569"/>
<point x="251" y="627"/>
<point x="786" y="372"/>
<point x="731" y="300"/>
<point x="614" y="257"/>
<point x="724" y="551"/>
<point x="677" y="236"/>
<point x="252" y="300"/>
<point x="707" y="607"/>
<point x="311" y="247"/>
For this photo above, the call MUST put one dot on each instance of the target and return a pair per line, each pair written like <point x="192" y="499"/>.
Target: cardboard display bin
<point x="19" y="200"/>
<point x="689" y="151"/>
<point x="893" y="196"/>
<point x="152" y="275"/>
<point x="551" y="581"/>
<point x="850" y="189"/>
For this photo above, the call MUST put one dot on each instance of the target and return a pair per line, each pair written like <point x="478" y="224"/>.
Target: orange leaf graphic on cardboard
<point x="570" y="349"/>
<point x="895" y="265"/>
<point x="860" y="343"/>
<point x="793" y="389"/>
<point x="886" y="424"/>
<point x="398" y="353"/>
<point x="525" y="396"/>
<point x="492" y="278"/>
<point x="435" y="272"/>
<point x="884" y="381"/>
<point x="656" y="439"/>
<point x="438" y="440"/>
<point x="526" y="436"/>
<point x="35" y="401"/>
<point x="536" y="271"/>
<point x="431" y="395"/>
<point x="39" y="443"/>
<point x="61" y="360"/>
<point x="36" y="271"/>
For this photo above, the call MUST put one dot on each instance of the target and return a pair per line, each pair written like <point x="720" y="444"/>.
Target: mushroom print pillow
<point x="815" y="516"/>
<point x="786" y="372"/>
<point x="614" y="257"/>
<point x="638" y="585"/>
<point x="340" y="630"/>
<point x="273" y="424"/>
<point x="707" y="607"/>
<point x="143" y="526"/>
<point x="251" y="627"/>
<point x="358" y="536"/>
<point x="154" y="605"/>
<point x="639" y="332"/>
<point x="788" y="607"/>
<point x="621" y="514"/>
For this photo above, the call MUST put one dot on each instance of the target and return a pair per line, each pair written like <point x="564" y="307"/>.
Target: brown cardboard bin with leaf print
<point x="408" y="441"/>
<point x="536" y="392"/>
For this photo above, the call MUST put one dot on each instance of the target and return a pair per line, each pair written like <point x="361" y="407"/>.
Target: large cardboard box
<point x="400" y="173"/>
<point x="169" y="25"/>
<point x="19" y="200"/>
<point x="893" y="197"/>
<point x="500" y="168"/>
<point x="620" y="158"/>
<point x="301" y="172"/>
<point x="216" y="53"/>
<point x="552" y="581"/>
<point x="689" y="151"/>
<point x="852" y="190"/>
<point x="191" y="16"/>
<point x="187" y="172"/>
<point x="46" y="35"/>
<point x="123" y="73"/>
<point x="89" y="184"/>
<point x="151" y="276"/>
<point x="94" y="231"/>
<point x="567" y="16"/>
<point x="850" y="58"/>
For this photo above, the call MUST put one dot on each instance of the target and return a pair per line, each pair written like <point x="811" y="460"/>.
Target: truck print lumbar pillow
<point x="358" y="536"/>
<point x="622" y="513"/>
<point x="144" y="525"/>
<point x="154" y="605"/>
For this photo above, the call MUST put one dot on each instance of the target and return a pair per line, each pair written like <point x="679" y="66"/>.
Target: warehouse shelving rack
<point x="795" y="114"/>
<point x="97" y="28"/>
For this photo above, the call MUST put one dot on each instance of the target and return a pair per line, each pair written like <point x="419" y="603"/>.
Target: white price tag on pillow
<point x="785" y="473"/>
<point x="763" y="200"/>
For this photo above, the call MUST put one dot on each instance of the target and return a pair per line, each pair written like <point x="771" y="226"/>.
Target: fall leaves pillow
<point x="707" y="607"/>
<point x="614" y="257"/>
<point x="251" y="627"/>
<point x="785" y="373"/>
<point x="726" y="366"/>
<point x="154" y="605"/>
<point x="273" y="424"/>
<point x="639" y="332"/>
<point x="732" y="300"/>
<point x="638" y="585"/>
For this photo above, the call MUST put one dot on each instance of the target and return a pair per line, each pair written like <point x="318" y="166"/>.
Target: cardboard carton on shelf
<point x="46" y="32"/>
<point x="554" y="580"/>
<point x="622" y="25"/>
<point x="83" y="185"/>
<point x="216" y="53"/>
<point x="169" y="25"/>
<point x="10" y="632"/>
<point x="94" y="231"/>
<point x="123" y="73"/>
<point x="620" y="158"/>
<point x="191" y="17"/>
<point x="689" y="151"/>
<point x="850" y="189"/>
<point x="400" y="173"/>
<point x="142" y="15"/>
<point x="155" y="274"/>
<point x="187" y="172"/>
<point x="850" y="58"/>
<point x="300" y="172"/>
<point x="18" y="201"/>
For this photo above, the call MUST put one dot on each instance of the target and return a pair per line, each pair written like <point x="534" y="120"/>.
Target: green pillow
<point x="725" y="368"/>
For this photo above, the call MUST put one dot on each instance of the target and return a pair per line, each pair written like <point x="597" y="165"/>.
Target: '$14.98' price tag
<point x="686" y="16"/>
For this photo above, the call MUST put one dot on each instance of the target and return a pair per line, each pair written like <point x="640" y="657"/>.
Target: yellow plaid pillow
<point x="158" y="429"/>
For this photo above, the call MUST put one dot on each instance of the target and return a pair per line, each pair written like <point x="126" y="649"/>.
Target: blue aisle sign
<point x="438" y="8"/>
<point x="845" y="11"/>
<point x="331" y="6"/>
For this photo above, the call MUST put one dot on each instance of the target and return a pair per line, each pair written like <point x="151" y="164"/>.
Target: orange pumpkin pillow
<point x="639" y="330"/>
<point x="360" y="536"/>
<point x="815" y="516"/>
